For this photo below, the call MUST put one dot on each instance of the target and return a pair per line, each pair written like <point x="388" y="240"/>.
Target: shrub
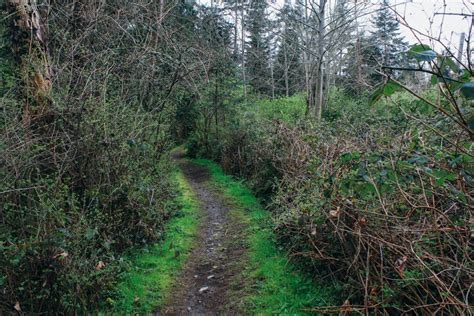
<point x="369" y="196"/>
<point x="73" y="199"/>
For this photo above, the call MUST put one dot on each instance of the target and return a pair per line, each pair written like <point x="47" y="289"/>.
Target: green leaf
<point x="465" y="76"/>
<point x="376" y="95"/>
<point x="350" y="156"/>
<point x="391" y="87"/>
<point x="447" y="62"/>
<point x="467" y="90"/>
<point x="90" y="233"/>
<point x="417" y="48"/>
<point x="434" y="79"/>
<point x="456" y="85"/>
<point x="422" y="52"/>
<point x="386" y="89"/>
<point x="442" y="176"/>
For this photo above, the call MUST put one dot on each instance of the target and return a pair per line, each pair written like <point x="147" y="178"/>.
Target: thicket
<point x="86" y="122"/>
<point x="373" y="197"/>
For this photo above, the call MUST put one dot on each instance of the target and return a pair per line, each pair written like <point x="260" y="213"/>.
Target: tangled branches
<point x="374" y="204"/>
<point x="393" y="226"/>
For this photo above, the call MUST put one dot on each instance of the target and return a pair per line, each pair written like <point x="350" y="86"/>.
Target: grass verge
<point x="145" y="286"/>
<point x="272" y="284"/>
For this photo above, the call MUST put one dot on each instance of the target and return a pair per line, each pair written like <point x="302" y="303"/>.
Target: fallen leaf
<point x="335" y="213"/>
<point x="362" y="221"/>
<point x="99" y="265"/>
<point x="17" y="307"/>
<point x="63" y="255"/>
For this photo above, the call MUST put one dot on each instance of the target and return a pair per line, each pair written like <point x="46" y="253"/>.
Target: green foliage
<point x="151" y="271"/>
<point x="257" y="51"/>
<point x="386" y="89"/>
<point x="363" y="178"/>
<point x="467" y="90"/>
<point x="422" y="52"/>
<point x="287" y="109"/>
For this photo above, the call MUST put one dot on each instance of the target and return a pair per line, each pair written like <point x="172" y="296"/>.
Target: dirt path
<point x="203" y="287"/>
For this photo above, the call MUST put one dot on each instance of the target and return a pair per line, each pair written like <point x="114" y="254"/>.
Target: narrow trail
<point x="204" y="284"/>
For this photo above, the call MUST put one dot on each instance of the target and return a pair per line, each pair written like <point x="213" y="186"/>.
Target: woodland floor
<point x="204" y="285"/>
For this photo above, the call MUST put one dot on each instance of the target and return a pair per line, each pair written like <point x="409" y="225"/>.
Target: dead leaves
<point x="400" y="265"/>
<point x="335" y="213"/>
<point x="17" y="307"/>
<point x="100" y="265"/>
<point x="62" y="255"/>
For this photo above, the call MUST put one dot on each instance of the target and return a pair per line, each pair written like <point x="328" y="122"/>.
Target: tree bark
<point x="243" y="49"/>
<point x="30" y="47"/>
<point x="321" y="66"/>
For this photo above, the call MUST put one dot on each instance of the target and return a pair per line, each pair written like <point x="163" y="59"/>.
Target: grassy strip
<point x="145" y="286"/>
<point x="273" y="284"/>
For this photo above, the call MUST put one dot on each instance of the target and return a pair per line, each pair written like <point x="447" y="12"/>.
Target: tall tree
<point x="388" y="44"/>
<point x="288" y="67"/>
<point x="257" y="49"/>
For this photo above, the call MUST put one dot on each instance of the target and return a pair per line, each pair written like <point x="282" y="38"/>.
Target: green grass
<point x="273" y="284"/>
<point x="146" y="285"/>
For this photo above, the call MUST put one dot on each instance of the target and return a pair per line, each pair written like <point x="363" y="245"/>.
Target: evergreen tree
<point x="257" y="53"/>
<point x="288" y="67"/>
<point x="388" y="46"/>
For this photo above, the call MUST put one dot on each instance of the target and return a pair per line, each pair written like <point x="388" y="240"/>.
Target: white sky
<point x="420" y="15"/>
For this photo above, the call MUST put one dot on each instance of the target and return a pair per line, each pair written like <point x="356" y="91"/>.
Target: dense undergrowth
<point x="84" y="169"/>
<point x="67" y="218"/>
<point x="268" y="282"/>
<point x="151" y="271"/>
<point x="369" y="197"/>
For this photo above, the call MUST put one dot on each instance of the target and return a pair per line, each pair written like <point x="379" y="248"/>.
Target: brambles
<point x="84" y="171"/>
<point x="370" y="198"/>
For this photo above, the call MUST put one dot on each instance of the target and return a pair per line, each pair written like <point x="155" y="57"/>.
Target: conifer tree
<point x="257" y="53"/>
<point x="388" y="44"/>
<point x="288" y="68"/>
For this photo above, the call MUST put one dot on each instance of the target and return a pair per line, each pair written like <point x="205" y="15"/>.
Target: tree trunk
<point x="272" y="79"/>
<point x="236" y="30"/>
<point x="309" y="99"/>
<point x="321" y="66"/>
<point x="29" y="32"/>
<point x="243" y="50"/>
<point x="285" y="71"/>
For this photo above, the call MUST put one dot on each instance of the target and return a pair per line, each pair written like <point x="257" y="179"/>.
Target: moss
<point x="144" y="287"/>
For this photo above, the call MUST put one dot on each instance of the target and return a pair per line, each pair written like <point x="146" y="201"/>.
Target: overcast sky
<point x="420" y="15"/>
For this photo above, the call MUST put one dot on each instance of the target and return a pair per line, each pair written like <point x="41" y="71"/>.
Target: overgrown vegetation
<point x="86" y="124"/>
<point x="359" y="143"/>
<point x="271" y="284"/>
<point x="152" y="270"/>
<point x="370" y="198"/>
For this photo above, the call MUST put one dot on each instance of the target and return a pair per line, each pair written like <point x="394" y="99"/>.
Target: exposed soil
<point x="204" y="284"/>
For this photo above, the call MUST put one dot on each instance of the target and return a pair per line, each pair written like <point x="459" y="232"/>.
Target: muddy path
<point x="204" y="285"/>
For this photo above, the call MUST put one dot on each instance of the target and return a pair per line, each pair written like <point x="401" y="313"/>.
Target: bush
<point x="73" y="200"/>
<point x="369" y="196"/>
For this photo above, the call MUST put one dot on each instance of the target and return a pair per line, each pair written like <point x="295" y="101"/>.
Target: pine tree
<point x="257" y="53"/>
<point x="288" y="67"/>
<point x="388" y="44"/>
